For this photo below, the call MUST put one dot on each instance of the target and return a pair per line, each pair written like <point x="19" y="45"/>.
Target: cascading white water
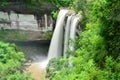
<point x="67" y="34"/>
<point x="75" y="21"/>
<point x="55" y="49"/>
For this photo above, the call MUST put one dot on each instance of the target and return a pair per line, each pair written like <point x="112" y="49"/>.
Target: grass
<point x="12" y="35"/>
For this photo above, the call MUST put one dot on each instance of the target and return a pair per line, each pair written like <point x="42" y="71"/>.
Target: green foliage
<point x="95" y="41"/>
<point x="11" y="62"/>
<point x="83" y="69"/>
<point x="57" y="3"/>
<point x="82" y="6"/>
<point x="12" y="35"/>
<point x="8" y="52"/>
<point x="48" y="35"/>
<point x="4" y="3"/>
<point x="54" y="66"/>
<point x="61" y="3"/>
<point x="19" y="76"/>
<point x="55" y="14"/>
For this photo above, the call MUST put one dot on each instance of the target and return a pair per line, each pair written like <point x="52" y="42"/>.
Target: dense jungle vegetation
<point x="97" y="48"/>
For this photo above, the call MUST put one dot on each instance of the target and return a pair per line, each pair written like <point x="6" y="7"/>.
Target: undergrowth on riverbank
<point x="11" y="62"/>
<point x="97" y="48"/>
<point x="15" y="35"/>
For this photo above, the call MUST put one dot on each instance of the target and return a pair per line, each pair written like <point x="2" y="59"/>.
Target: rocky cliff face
<point x="17" y="15"/>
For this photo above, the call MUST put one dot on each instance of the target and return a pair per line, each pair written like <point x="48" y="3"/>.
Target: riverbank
<point x="24" y="35"/>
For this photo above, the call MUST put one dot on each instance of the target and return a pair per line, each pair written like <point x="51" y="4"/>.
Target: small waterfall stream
<point x="75" y="21"/>
<point x="67" y="34"/>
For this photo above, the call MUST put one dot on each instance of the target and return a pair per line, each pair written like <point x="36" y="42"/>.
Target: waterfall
<point x="55" y="49"/>
<point x="75" y="21"/>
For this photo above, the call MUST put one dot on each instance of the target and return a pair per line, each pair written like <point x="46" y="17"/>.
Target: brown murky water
<point x="36" y="56"/>
<point x="37" y="71"/>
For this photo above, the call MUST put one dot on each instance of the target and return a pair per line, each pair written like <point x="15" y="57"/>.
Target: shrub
<point x="11" y="62"/>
